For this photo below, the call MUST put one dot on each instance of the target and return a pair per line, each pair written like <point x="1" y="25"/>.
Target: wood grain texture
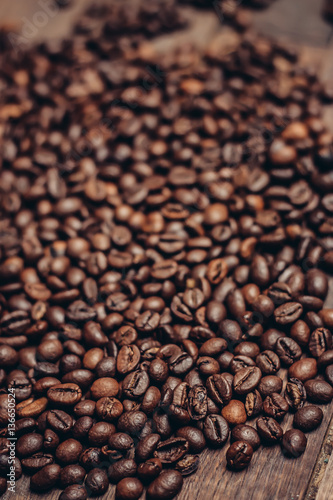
<point x="270" y="476"/>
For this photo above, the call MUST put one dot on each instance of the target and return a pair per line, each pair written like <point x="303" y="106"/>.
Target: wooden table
<point x="270" y="476"/>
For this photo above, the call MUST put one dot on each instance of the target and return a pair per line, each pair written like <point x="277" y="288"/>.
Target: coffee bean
<point x="246" y="380"/>
<point x="304" y="369"/>
<point x="293" y="443"/>
<point x="146" y="447"/>
<point x="288" y="313"/>
<point x="295" y="394"/>
<point x="246" y="433"/>
<point x="59" y="420"/>
<point x="253" y="403"/>
<point x="268" y="362"/>
<point x="320" y="341"/>
<point x="269" y="384"/>
<point x="69" y="451"/>
<point x="46" y="478"/>
<point x="29" y="444"/>
<point x="36" y="462"/>
<point x="109" y="409"/>
<point x="194" y="437"/>
<point x="219" y="389"/>
<point x="132" y="422"/>
<point x="97" y="482"/>
<point x="275" y="406"/>
<point x="234" y="412"/>
<point x="318" y="391"/>
<point x="104" y="387"/>
<point x="129" y="489"/>
<point x="64" y="394"/>
<point x="72" y="474"/>
<point x="308" y="418"/>
<point x="100" y="433"/>
<point x="239" y="455"/>
<point x="74" y="492"/>
<point x="125" y="467"/>
<point x="128" y="359"/>
<point x="288" y="350"/>
<point x="166" y="486"/>
<point x="269" y="430"/>
<point x="216" y="430"/>
<point x="90" y="458"/>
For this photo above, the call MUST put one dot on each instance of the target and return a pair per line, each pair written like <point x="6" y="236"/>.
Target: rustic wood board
<point x="270" y="476"/>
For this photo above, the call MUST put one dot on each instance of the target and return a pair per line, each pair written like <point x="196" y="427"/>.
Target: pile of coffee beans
<point x="166" y="234"/>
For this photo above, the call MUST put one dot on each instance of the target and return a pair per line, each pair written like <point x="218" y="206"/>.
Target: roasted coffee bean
<point x="246" y="380"/>
<point x="136" y="384"/>
<point x="219" y="389"/>
<point x="128" y="359"/>
<point x="69" y="451"/>
<point x="171" y="450"/>
<point x="269" y="384"/>
<point x="320" y="341"/>
<point x="100" y="433"/>
<point x="109" y="409"/>
<point x="149" y="470"/>
<point x="246" y="433"/>
<point x="234" y="412"/>
<point x="216" y="430"/>
<point x="308" y="418"/>
<point x="288" y="350"/>
<point x="240" y="361"/>
<point x="188" y="465"/>
<point x="318" y="391"/>
<point x="72" y="474"/>
<point x="269" y="338"/>
<point x="46" y="478"/>
<point x="166" y="486"/>
<point x="129" y="489"/>
<point x="51" y="440"/>
<point x="325" y="359"/>
<point x="146" y="447"/>
<point x="97" y="482"/>
<point x="239" y="455"/>
<point x="275" y="406"/>
<point x="104" y="387"/>
<point x="90" y="458"/>
<point x="268" y="362"/>
<point x="304" y="369"/>
<point x="269" y="430"/>
<point x="253" y="403"/>
<point x="288" y="313"/>
<point x="84" y="408"/>
<point x="132" y="422"/>
<point x="64" y="394"/>
<point x="197" y="402"/>
<point x="194" y="437"/>
<point x="74" y="492"/>
<point x="300" y="332"/>
<point x="126" y="467"/>
<point x="295" y="394"/>
<point x="36" y="462"/>
<point x="31" y="408"/>
<point x="29" y="444"/>
<point x="293" y="443"/>
<point x="59" y="421"/>
<point x="24" y="425"/>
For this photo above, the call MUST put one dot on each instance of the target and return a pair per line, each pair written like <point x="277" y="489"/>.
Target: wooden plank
<point x="325" y="488"/>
